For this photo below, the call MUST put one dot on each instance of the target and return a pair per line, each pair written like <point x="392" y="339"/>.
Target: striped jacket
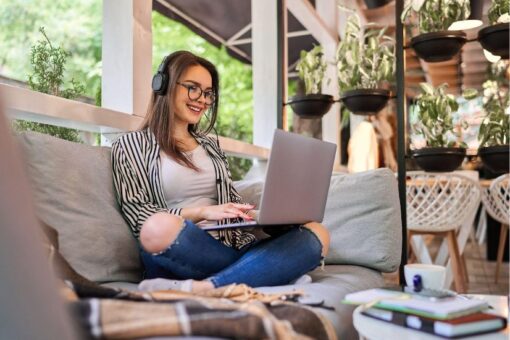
<point x="136" y="176"/>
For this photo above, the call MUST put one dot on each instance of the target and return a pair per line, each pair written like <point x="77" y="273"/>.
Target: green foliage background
<point x="75" y="25"/>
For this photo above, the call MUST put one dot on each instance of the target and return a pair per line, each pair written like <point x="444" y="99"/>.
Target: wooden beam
<point x="242" y="149"/>
<point x="43" y="108"/>
<point x="444" y="71"/>
<point x="308" y="17"/>
<point x="35" y="106"/>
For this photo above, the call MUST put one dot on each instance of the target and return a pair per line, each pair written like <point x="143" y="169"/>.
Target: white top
<point x="184" y="187"/>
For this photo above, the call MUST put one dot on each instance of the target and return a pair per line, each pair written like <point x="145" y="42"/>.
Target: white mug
<point x="432" y="276"/>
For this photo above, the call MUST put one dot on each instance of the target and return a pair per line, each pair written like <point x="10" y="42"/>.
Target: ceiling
<point x="228" y="22"/>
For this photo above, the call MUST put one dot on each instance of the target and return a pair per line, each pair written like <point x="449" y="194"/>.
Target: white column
<point x="265" y="70"/>
<point x="327" y="11"/>
<point x="127" y="55"/>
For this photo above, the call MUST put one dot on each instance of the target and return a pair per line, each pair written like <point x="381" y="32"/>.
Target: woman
<point x="170" y="175"/>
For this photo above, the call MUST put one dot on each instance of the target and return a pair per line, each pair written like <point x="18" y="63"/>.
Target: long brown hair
<point x="161" y="113"/>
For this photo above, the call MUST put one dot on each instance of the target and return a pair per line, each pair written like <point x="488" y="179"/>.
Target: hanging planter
<point x="434" y="122"/>
<point x="494" y="131"/>
<point x="438" y="46"/>
<point x="371" y="4"/>
<point x="495" y="39"/>
<point x="365" y="102"/>
<point x="495" y="158"/>
<point x="433" y="19"/>
<point x="439" y="159"/>
<point x="365" y="61"/>
<point x="311" y="105"/>
<point x="311" y="68"/>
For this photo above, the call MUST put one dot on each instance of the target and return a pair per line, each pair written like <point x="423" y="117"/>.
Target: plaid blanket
<point x="235" y="311"/>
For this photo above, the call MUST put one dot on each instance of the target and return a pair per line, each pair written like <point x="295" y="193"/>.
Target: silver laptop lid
<point x="297" y="180"/>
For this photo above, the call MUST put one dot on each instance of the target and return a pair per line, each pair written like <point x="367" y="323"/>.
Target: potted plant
<point x="311" y="68"/>
<point x="495" y="38"/>
<point x="443" y="152"/>
<point x="433" y="19"/>
<point x="495" y="127"/>
<point x="365" y="59"/>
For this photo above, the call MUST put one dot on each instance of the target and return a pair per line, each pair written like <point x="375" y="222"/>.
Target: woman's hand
<point x="218" y="212"/>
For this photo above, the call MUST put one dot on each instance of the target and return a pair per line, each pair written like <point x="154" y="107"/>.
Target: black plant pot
<point x="365" y="102"/>
<point x="311" y="105"/>
<point x="495" y="39"/>
<point x="371" y="4"/>
<point x="439" y="159"/>
<point x="438" y="46"/>
<point x="495" y="158"/>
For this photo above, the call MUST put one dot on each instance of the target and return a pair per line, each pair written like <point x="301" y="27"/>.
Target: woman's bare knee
<point x="159" y="231"/>
<point x="322" y="234"/>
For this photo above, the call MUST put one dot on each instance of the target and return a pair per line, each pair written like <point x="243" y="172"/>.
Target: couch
<point x="73" y="191"/>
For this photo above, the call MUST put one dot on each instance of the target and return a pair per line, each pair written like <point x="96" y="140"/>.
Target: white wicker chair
<point x="496" y="200"/>
<point x="437" y="204"/>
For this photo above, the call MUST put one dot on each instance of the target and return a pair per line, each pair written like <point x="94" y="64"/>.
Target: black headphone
<point x="160" y="79"/>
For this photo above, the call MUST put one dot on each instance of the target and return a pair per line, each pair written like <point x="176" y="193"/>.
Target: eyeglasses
<point x="195" y="92"/>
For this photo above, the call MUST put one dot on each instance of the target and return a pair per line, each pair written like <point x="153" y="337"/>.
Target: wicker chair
<point x="437" y="204"/>
<point x="496" y="200"/>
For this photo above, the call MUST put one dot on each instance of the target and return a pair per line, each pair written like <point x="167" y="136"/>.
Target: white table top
<point x="374" y="329"/>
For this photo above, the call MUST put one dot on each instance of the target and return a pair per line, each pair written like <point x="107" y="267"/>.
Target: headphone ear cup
<point x="160" y="83"/>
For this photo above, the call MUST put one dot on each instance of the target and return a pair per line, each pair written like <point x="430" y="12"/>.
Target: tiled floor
<point x="481" y="272"/>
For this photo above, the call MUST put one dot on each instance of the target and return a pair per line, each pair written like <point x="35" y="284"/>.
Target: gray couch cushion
<point x="362" y="215"/>
<point x="330" y="285"/>
<point x="73" y="190"/>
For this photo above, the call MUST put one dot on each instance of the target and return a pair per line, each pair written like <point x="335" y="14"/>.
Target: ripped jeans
<point x="270" y="262"/>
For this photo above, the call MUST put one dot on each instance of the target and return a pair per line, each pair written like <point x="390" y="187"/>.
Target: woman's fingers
<point x="228" y="215"/>
<point x="243" y="207"/>
<point x="229" y="210"/>
<point x="239" y="213"/>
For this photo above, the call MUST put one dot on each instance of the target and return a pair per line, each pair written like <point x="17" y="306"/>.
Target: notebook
<point x="477" y="323"/>
<point x="297" y="182"/>
<point x="441" y="309"/>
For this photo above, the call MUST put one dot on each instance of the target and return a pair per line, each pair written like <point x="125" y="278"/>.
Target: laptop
<point x="297" y="182"/>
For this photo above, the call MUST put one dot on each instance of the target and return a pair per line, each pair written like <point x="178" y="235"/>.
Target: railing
<point x="39" y="107"/>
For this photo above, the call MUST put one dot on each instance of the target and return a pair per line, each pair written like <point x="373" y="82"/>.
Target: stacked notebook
<point x="448" y="317"/>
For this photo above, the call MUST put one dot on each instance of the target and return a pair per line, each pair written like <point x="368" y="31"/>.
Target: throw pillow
<point x="362" y="215"/>
<point x="73" y="192"/>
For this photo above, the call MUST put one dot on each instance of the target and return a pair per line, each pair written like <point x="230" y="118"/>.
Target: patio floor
<point x="481" y="272"/>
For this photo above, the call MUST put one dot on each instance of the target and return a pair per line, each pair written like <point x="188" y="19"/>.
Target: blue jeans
<point x="270" y="262"/>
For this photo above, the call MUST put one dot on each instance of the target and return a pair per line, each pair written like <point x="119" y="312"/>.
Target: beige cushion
<point x="73" y="189"/>
<point x="362" y="215"/>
